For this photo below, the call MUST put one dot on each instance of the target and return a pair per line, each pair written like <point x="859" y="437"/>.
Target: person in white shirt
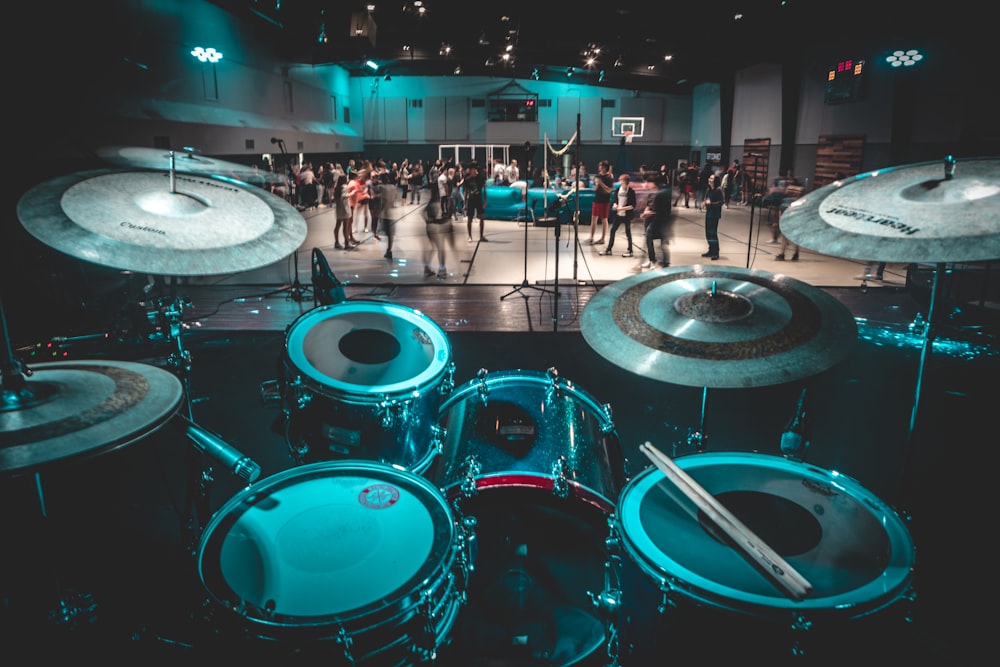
<point x="512" y="173"/>
<point x="499" y="172"/>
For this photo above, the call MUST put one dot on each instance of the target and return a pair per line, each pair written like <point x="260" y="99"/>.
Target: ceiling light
<point x="907" y="58"/>
<point x="458" y="70"/>
<point x="387" y="77"/>
<point x="445" y="49"/>
<point x="668" y="57"/>
<point x="618" y="61"/>
<point x="208" y="55"/>
<point x="600" y="77"/>
<point x="569" y="72"/>
<point x="372" y="65"/>
<point x="651" y="67"/>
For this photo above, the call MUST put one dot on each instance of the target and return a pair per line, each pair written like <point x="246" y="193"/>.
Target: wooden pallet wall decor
<point x="755" y="168"/>
<point x="838" y="155"/>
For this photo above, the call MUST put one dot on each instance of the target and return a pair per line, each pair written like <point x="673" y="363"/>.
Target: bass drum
<point x="537" y="462"/>
<point x="688" y="593"/>
<point x="348" y="562"/>
<point x="365" y="381"/>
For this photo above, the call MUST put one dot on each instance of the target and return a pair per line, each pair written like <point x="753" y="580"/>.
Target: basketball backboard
<point x="622" y="124"/>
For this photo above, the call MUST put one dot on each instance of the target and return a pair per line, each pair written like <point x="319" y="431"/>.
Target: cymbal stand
<point x="72" y="608"/>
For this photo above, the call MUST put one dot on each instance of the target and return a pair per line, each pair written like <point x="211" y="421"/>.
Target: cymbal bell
<point x="159" y="223"/>
<point x="187" y="161"/>
<point x="73" y="410"/>
<point x="942" y="211"/>
<point x="723" y="327"/>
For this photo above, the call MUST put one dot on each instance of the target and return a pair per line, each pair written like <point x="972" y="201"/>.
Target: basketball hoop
<point x="628" y="136"/>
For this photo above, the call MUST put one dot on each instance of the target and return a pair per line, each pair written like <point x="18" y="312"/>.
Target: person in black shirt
<point x="474" y="185"/>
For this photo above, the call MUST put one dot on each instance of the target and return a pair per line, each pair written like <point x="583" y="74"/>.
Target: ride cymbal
<point x="71" y="410"/>
<point x="928" y="212"/>
<point x="721" y="327"/>
<point x="162" y="223"/>
<point x="187" y="161"/>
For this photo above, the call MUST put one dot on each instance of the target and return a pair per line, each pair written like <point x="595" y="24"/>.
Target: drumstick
<point x="758" y="551"/>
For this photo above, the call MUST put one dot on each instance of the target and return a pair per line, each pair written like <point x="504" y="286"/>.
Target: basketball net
<point x="628" y="136"/>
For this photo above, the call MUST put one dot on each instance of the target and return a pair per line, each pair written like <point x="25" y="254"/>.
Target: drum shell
<point x="537" y="462"/>
<point x="860" y="564"/>
<point x="246" y="553"/>
<point x="533" y="430"/>
<point x="364" y="380"/>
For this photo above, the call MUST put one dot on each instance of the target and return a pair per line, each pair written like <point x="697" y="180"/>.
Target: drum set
<point x="496" y="522"/>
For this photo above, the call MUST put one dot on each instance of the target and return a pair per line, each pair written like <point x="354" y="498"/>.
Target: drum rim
<point x="532" y="377"/>
<point x="433" y="569"/>
<point x="429" y="377"/>
<point x="878" y="593"/>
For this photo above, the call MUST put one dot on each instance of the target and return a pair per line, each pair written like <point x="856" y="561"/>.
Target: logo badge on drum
<point x="378" y="496"/>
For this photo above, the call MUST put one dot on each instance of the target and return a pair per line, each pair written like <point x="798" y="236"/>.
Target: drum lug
<point x="301" y="397"/>
<point x="470" y="548"/>
<point x="270" y="391"/>
<point x="448" y="383"/>
<point x="389" y="412"/>
<point x="560" y="485"/>
<point x="438" y="435"/>
<point x="482" y="387"/>
<point x="471" y="468"/>
<point x="608" y="425"/>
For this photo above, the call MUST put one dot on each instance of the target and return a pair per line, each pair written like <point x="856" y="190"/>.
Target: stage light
<point x="208" y="55"/>
<point x="907" y="58"/>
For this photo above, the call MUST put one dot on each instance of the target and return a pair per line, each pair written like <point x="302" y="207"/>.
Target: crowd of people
<point x="363" y="192"/>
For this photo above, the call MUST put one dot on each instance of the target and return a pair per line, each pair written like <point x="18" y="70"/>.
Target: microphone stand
<point x="296" y="292"/>
<point x="753" y="199"/>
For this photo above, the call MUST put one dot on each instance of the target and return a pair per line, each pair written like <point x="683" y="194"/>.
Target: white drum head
<point x="854" y="550"/>
<point x="327" y="539"/>
<point x="368" y="348"/>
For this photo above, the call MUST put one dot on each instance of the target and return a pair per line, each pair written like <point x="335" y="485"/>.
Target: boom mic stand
<point x="296" y="292"/>
<point x="524" y="283"/>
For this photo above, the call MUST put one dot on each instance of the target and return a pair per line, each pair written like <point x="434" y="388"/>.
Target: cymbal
<point x="910" y="213"/>
<point x="721" y="327"/>
<point x="187" y="161"/>
<point x="72" y="410"/>
<point x="162" y="223"/>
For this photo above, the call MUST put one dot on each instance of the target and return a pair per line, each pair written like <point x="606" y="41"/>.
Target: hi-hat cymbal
<point x="162" y="223"/>
<point x="723" y="327"/>
<point x="187" y="161"/>
<point x="72" y="410"/>
<point x="943" y="211"/>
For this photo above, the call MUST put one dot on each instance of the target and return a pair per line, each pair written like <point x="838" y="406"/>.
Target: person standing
<point x="714" y="199"/>
<point x="601" y="207"/>
<point x="658" y="224"/>
<point x="439" y="233"/>
<point x="474" y="189"/>
<point x="622" y="208"/>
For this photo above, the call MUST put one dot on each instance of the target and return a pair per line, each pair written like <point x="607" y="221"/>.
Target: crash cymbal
<point x="721" y="327"/>
<point x="943" y="211"/>
<point x="71" y="410"/>
<point x="188" y="161"/>
<point x="162" y="223"/>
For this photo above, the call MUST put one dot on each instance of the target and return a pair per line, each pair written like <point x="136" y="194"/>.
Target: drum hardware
<point x="930" y="212"/>
<point x="68" y="411"/>
<point x="753" y="547"/>
<point x="327" y="289"/>
<point x="795" y="437"/>
<point x="548" y="454"/>
<point x="188" y="160"/>
<point x="358" y="556"/>
<point x="159" y="224"/>
<point x="364" y="380"/>
<point x="853" y="548"/>
<point x="722" y="327"/>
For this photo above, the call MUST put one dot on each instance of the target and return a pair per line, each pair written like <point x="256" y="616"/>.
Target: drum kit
<point x="425" y="522"/>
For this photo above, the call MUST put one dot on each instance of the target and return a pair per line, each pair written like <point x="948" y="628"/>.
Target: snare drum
<point x="357" y="562"/>
<point x="687" y="593"/>
<point x="365" y="380"/>
<point x="537" y="461"/>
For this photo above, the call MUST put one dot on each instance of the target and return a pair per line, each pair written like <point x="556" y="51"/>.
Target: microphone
<point x="795" y="437"/>
<point x="211" y="444"/>
<point x="275" y="140"/>
<point x="326" y="288"/>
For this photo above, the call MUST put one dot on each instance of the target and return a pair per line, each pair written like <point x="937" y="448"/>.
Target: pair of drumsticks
<point x="793" y="583"/>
